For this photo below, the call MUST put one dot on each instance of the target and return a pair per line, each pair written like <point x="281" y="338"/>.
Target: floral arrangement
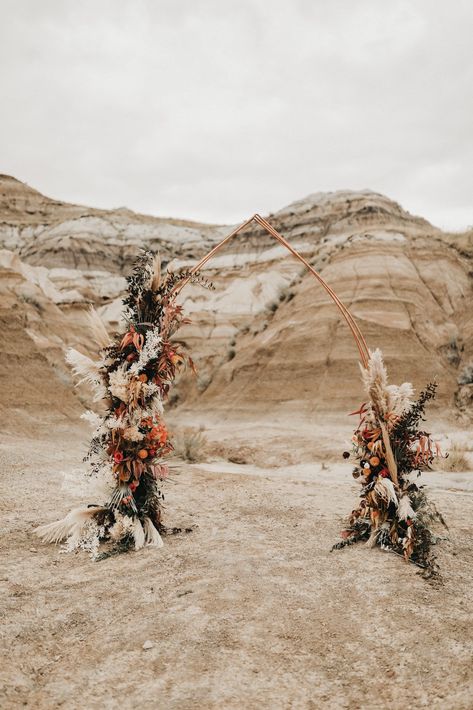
<point x="388" y="446"/>
<point x="130" y="443"/>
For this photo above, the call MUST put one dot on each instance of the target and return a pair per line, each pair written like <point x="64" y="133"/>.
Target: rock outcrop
<point x="268" y="341"/>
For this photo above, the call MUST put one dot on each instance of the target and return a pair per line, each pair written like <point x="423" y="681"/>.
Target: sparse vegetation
<point x="190" y="444"/>
<point x="457" y="459"/>
<point x="454" y="350"/>
<point x="32" y="301"/>
<point x="173" y="399"/>
<point x="466" y="375"/>
<point x="203" y="381"/>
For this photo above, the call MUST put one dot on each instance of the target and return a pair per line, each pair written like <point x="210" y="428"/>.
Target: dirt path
<point x="251" y="610"/>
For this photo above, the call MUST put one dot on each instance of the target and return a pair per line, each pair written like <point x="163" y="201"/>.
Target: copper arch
<point x="356" y="332"/>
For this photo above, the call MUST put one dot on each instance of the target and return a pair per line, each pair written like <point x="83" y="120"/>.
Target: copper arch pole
<point x="356" y="332"/>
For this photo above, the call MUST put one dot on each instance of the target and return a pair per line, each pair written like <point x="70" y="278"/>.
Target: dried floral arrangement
<point x="389" y="446"/>
<point x="130" y="443"/>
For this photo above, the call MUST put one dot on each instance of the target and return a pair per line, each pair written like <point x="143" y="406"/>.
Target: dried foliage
<point x="190" y="444"/>
<point x="389" y="446"/>
<point x="457" y="459"/>
<point x="130" y="444"/>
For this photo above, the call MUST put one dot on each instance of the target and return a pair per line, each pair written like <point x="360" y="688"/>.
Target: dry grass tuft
<point x="190" y="444"/>
<point x="457" y="459"/>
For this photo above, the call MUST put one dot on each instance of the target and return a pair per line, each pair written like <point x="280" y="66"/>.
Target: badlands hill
<point x="268" y="342"/>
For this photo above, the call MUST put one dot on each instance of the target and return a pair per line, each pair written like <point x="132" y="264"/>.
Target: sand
<point x="250" y="610"/>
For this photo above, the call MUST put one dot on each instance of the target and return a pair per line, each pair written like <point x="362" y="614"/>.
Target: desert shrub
<point x="286" y="295"/>
<point x="203" y="381"/>
<point x="173" y="399"/>
<point x="31" y="300"/>
<point x="190" y="444"/>
<point x="457" y="460"/>
<point x="466" y="375"/>
<point x="454" y="352"/>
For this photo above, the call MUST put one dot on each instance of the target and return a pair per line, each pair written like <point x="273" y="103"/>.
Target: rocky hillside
<point x="409" y="286"/>
<point x="268" y="340"/>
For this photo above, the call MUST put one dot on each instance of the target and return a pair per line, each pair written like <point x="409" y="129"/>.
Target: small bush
<point x="203" y="381"/>
<point x="189" y="444"/>
<point x="454" y="352"/>
<point x="32" y="301"/>
<point x="456" y="461"/>
<point x="466" y="375"/>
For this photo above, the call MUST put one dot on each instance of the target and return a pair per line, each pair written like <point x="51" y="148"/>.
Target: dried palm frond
<point x="138" y="534"/>
<point x="152" y="536"/>
<point x="70" y="525"/>
<point x="405" y="510"/>
<point x="119" y="493"/>
<point x="384" y="488"/>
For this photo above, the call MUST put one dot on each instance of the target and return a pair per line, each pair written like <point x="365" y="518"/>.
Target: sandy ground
<point x="251" y="610"/>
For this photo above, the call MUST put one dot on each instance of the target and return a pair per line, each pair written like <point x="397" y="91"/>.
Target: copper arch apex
<point x="352" y="324"/>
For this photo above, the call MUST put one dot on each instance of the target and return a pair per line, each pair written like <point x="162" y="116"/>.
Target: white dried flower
<point x="119" y="383"/>
<point x="148" y="389"/>
<point x="86" y="538"/>
<point x="114" y="422"/>
<point x="102" y="480"/>
<point x="92" y="418"/>
<point x="131" y="433"/>
<point x="154" y="407"/>
<point x="149" y="351"/>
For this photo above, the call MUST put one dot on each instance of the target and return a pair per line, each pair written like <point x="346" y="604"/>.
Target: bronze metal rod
<point x="355" y="330"/>
<point x="360" y="341"/>
<point x="212" y="252"/>
<point x="321" y="280"/>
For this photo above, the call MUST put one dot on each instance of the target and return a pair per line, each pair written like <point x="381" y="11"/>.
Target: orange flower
<point x="159" y="433"/>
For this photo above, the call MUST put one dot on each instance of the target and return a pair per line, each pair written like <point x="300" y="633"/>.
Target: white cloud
<point x="217" y="109"/>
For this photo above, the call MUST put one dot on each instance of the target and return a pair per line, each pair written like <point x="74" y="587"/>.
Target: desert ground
<point x="250" y="609"/>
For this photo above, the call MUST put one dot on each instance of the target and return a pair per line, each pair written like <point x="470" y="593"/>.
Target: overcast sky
<point x="216" y="109"/>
